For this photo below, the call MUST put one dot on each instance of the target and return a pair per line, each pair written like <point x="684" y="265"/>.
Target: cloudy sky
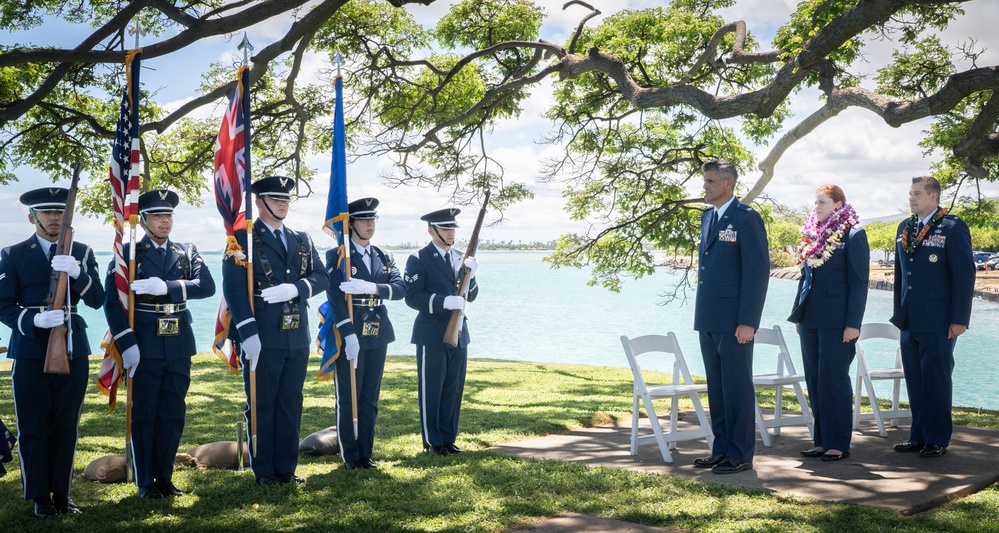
<point x="870" y="160"/>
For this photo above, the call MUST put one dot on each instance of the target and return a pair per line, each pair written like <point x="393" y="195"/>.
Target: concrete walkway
<point x="581" y="523"/>
<point x="873" y="475"/>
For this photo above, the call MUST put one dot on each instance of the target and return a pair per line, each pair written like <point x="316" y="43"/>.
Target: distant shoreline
<point x="986" y="283"/>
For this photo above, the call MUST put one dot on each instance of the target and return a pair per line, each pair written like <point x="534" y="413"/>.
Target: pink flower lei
<point x="820" y="239"/>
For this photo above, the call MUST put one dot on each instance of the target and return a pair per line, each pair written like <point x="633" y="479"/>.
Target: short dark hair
<point x="930" y="184"/>
<point x="723" y="167"/>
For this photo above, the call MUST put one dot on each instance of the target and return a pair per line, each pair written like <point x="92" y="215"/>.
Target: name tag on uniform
<point x="728" y="235"/>
<point x="935" y="241"/>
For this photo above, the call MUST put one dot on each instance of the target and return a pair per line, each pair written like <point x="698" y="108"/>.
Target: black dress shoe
<point x="813" y="453"/>
<point x="151" y="493"/>
<point x="730" y="466"/>
<point x="440" y="450"/>
<point x="835" y="457"/>
<point x="167" y="488"/>
<point x="44" y="508"/>
<point x="368" y="463"/>
<point x="65" y="505"/>
<point x="908" y="446"/>
<point x="288" y="478"/>
<point x="932" y="450"/>
<point x="356" y="465"/>
<point x="451" y="448"/>
<point x="708" y="462"/>
<point x="270" y="480"/>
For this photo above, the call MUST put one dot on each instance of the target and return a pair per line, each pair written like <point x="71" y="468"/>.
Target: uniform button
<point x="908" y="273"/>
<point x="706" y="253"/>
<point x="702" y="268"/>
<point x="908" y="287"/>
<point x="910" y="259"/>
<point x="287" y="271"/>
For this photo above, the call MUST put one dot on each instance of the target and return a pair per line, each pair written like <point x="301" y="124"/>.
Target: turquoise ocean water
<point x="529" y="312"/>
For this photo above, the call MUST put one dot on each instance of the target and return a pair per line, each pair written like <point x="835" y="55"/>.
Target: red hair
<point x="833" y="192"/>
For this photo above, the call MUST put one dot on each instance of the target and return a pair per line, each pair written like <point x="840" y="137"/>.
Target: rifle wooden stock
<point x="57" y="354"/>
<point x="453" y="331"/>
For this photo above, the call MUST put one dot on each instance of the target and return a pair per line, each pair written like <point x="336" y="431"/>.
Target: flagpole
<point x="246" y="47"/>
<point x="133" y="219"/>
<point x="338" y="59"/>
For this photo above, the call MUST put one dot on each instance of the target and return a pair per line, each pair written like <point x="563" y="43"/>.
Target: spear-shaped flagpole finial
<point x="246" y="47"/>
<point x="137" y="32"/>
<point x="338" y="59"/>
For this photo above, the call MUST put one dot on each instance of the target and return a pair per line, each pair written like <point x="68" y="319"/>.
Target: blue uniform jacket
<point x="937" y="280"/>
<point x="733" y="271"/>
<point x="187" y="278"/>
<point x="25" y="271"/>
<point x="287" y="267"/>
<point x="835" y="294"/>
<point x="428" y="281"/>
<point x="390" y="287"/>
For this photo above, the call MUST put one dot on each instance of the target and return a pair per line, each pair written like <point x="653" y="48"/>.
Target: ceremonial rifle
<point x="59" y="351"/>
<point x="462" y="281"/>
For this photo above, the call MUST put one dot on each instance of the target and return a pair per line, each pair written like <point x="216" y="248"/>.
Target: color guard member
<point x="158" y="352"/>
<point x="374" y="278"/>
<point x="430" y="289"/>
<point x="274" y="336"/>
<point x="47" y="406"/>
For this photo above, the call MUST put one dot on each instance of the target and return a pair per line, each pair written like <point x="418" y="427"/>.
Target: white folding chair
<point x="682" y="386"/>
<point x="785" y="376"/>
<point x="867" y="376"/>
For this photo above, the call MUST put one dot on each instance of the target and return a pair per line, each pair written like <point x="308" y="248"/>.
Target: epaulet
<point x="745" y="207"/>
<point x="952" y="216"/>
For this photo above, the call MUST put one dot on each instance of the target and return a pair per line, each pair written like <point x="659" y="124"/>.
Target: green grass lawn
<point x="413" y="491"/>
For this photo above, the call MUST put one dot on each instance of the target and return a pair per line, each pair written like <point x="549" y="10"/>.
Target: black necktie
<point x="919" y="228"/>
<point x="277" y="235"/>
<point x="447" y="259"/>
<point x="162" y="252"/>
<point x="711" y="225"/>
<point x="51" y="253"/>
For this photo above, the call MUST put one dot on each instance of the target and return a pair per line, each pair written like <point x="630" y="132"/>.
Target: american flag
<point x="123" y="177"/>
<point x="336" y="218"/>
<point x="232" y="177"/>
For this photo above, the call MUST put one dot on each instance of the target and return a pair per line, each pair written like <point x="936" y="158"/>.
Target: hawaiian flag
<point x="124" y="180"/>
<point x="337" y="217"/>
<point x="232" y="194"/>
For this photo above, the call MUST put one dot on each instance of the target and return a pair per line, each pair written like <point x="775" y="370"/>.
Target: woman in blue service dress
<point x="828" y="311"/>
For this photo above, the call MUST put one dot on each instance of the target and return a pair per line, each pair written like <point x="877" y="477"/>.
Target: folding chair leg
<point x="856" y="402"/>
<point x="657" y="429"/>
<point x="805" y="411"/>
<point x="875" y="407"/>
<point x="778" y="409"/>
<point x="702" y="418"/>
<point x="761" y="424"/>
<point x="634" y="425"/>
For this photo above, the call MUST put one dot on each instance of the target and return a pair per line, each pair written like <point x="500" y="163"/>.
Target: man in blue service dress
<point x="157" y="353"/>
<point x="47" y="406"/>
<point x="374" y="278"/>
<point x="274" y="336"/>
<point x="733" y="272"/>
<point x="440" y="368"/>
<point x="934" y="286"/>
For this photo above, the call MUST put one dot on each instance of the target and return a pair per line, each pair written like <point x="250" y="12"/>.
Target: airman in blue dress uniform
<point x="440" y="368"/>
<point x="158" y="351"/>
<point x="274" y="335"/>
<point x="828" y="311"/>
<point x="934" y="286"/>
<point x="374" y="279"/>
<point x="733" y="273"/>
<point x="47" y="406"/>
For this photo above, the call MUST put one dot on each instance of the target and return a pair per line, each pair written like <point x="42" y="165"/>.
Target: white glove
<point x="50" y="319"/>
<point x="352" y="348"/>
<point x="130" y="359"/>
<point x="251" y="349"/>
<point x="151" y="286"/>
<point x="67" y="264"/>
<point x="358" y="286"/>
<point x="471" y="265"/>
<point x="454" y="302"/>
<point x="281" y="293"/>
